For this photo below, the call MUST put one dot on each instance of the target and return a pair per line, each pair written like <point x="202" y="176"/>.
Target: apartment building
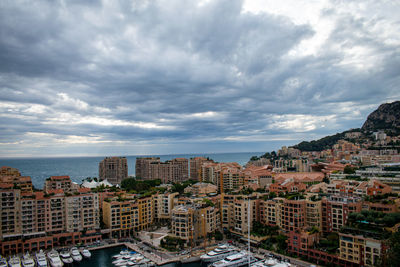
<point x="142" y="167"/>
<point x="270" y="211"/>
<point x="38" y="220"/>
<point x="121" y="217"/>
<point x="9" y="171"/>
<point x="314" y="214"/>
<point x="195" y="167"/>
<point x="146" y="215"/>
<point x="175" y="170"/>
<point x="82" y="212"/>
<point x="244" y="209"/>
<point x="194" y="222"/>
<point x="21" y="182"/>
<point x="201" y="189"/>
<point x="163" y="205"/>
<point x="293" y="215"/>
<point x="227" y="176"/>
<point x="360" y="250"/>
<point x="335" y="211"/>
<point x="58" y="182"/>
<point x="114" y="169"/>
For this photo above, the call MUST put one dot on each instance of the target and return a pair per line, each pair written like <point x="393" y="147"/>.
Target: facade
<point x="360" y="250"/>
<point x="114" y="169"/>
<point x="31" y="221"/>
<point x="195" y="167"/>
<point x="163" y="205"/>
<point x="194" y="222"/>
<point x="201" y="189"/>
<point x="58" y="182"/>
<point x="335" y="211"/>
<point x="175" y="170"/>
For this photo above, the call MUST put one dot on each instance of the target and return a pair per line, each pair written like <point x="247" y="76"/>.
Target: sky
<point x="88" y="78"/>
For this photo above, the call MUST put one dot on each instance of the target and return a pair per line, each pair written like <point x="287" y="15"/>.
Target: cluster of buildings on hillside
<point x="305" y="198"/>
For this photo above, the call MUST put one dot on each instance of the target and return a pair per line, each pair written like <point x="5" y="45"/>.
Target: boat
<point x="41" y="259"/>
<point x="218" y="253"/>
<point x="235" y="260"/>
<point x="14" y="262"/>
<point x="86" y="253"/>
<point x="123" y="253"/>
<point x="66" y="257"/>
<point x="76" y="256"/>
<point x="27" y="261"/>
<point x="3" y="262"/>
<point x="270" y="263"/>
<point x="54" y="259"/>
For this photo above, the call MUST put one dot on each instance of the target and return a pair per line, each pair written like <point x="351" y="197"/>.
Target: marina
<point x="129" y="254"/>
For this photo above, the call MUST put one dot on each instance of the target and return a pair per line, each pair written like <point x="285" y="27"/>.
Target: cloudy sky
<point x="181" y="76"/>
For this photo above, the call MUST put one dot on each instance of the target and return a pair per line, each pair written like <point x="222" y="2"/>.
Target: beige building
<point x="195" y="167"/>
<point x="175" y="170"/>
<point x="121" y="217"/>
<point x="360" y="250"/>
<point x="114" y="169"/>
<point x="194" y="222"/>
<point x="163" y="205"/>
<point x="201" y="189"/>
<point x="82" y="212"/>
<point x="58" y="182"/>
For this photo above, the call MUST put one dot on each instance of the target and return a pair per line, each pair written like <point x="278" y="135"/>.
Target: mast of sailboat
<point x="248" y="229"/>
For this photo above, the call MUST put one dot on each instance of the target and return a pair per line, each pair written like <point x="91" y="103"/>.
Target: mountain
<point x="386" y="117"/>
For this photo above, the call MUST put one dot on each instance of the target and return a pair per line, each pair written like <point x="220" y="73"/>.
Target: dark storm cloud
<point x="180" y="72"/>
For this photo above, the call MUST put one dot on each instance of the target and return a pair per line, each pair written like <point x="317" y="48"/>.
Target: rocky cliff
<point x="386" y="117"/>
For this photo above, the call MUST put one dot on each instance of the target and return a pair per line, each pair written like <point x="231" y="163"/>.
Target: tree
<point x="393" y="253"/>
<point x="349" y="170"/>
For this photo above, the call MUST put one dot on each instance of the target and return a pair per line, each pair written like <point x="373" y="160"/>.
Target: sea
<point x="103" y="258"/>
<point x="79" y="168"/>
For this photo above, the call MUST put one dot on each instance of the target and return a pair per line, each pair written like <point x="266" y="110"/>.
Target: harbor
<point x="137" y="254"/>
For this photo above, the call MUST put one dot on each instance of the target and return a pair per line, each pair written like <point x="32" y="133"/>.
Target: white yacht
<point x="3" y="262"/>
<point x="270" y="263"/>
<point x="235" y="260"/>
<point x="86" y="253"/>
<point x="27" y="261"/>
<point x="14" y="262"/>
<point x="54" y="259"/>
<point x="218" y="253"/>
<point x="66" y="257"/>
<point x="41" y="259"/>
<point x="76" y="256"/>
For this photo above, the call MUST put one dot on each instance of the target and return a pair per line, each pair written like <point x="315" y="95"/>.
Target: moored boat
<point x="86" y="253"/>
<point x="27" y="261"/>
<point x="54" y="259"/>
<point x="3" y="262"/>
<point x="235" y="260"/>
<point x="76" y="256"/>
<point x="218" y="253"/>
<point x="14" y="261"/>
<point x="66" y="257"/>
<point x="41" y="259"/>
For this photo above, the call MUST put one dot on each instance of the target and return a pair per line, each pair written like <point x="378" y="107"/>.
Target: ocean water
<point x="103" y="258"/>
<point x="79" y="168"/>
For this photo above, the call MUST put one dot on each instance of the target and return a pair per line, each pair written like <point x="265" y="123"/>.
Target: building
<point x="114" y="169"/>
<point x="163" y="205"/>
<point x="360" y="250"/>
<point x="39" y="220"/>
<point x="9" y="171"/>
<point x="58" y="182"/>
<point x="142" y="168"/>
<point x="194" y="222"/>
<point x="201" y="189"/>
<point x="121" y="217"/>
<point x="195" y="167"/>
<point x="335" y="211"/>
<point x="293" y="215"/>
<point x="175" y="170"/>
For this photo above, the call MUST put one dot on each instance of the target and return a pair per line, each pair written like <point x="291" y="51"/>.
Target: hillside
<point x="386" y="117"/>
